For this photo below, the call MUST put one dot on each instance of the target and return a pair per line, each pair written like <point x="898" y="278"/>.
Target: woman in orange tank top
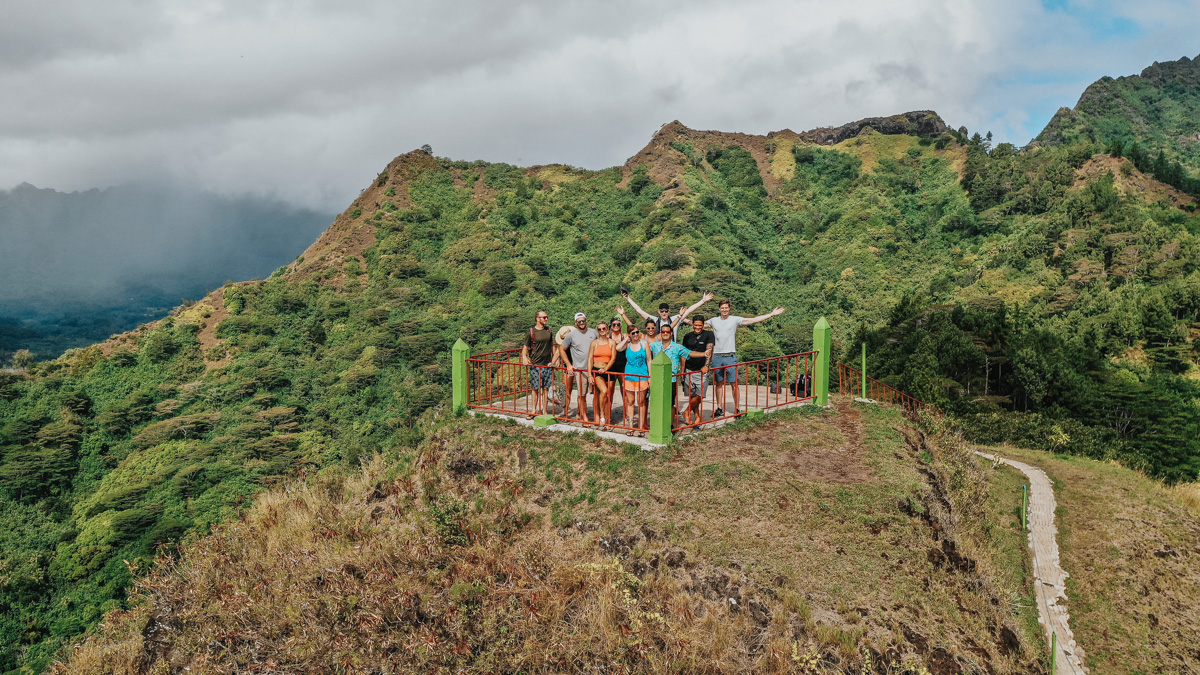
<point x="600" y="357"/>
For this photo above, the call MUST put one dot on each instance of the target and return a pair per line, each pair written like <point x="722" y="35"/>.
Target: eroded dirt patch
<point x="821" y="453"/>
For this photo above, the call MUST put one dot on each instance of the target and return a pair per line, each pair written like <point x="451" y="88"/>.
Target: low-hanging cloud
<point x="306" y="101"/>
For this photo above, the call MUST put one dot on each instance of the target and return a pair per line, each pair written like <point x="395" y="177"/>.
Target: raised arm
<point x="683" y="314"/>
<point x="621" y="311"/>
<point x="635" y="307"/>
<point x="774" y="313"/>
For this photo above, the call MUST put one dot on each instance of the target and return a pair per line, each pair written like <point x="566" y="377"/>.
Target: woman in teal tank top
<point x="637" y="375"/>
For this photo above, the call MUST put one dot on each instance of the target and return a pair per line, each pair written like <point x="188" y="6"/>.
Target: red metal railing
<point x="764" y="384"/>
<point x="850" y="383"/>
<point x="499" y="382"/>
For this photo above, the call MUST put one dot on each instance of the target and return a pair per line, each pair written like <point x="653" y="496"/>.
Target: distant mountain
<point x="77" y="267"/>
<point x="1158" y="109"/>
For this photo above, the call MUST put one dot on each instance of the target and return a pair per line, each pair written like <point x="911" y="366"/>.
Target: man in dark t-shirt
<point x="540" y="354"/>
<point x="702" y="341"/>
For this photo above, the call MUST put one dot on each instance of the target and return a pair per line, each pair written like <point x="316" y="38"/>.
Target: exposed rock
<point x="925" y="123"/>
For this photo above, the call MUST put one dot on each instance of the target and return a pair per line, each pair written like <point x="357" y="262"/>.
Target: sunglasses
<point x="635" y="332"/>
<point x="602" y="327"/>
<point x="616" y="325"/>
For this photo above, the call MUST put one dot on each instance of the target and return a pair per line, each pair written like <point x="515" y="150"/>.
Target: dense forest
<point x="1047" y="296"/>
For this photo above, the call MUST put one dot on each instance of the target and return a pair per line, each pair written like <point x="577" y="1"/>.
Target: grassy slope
<point x="806" y="543"/>
<point x="1131" y="551"/>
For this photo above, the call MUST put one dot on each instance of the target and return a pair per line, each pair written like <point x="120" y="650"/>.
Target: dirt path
<point x="1049" y="578"/>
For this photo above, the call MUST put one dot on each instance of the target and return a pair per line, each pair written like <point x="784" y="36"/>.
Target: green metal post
<point x="660" y="400"/>
<point x="458" y="375"/>
<point x="1053" y="651"/>
<point x="864" y="369"/>
<point x="821" y="344"/>
<point x="1024" y="507"/>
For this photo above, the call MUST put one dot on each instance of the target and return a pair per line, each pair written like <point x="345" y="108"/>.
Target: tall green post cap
<point x="459" y="346"/>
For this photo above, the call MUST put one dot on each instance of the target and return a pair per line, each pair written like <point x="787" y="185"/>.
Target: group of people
<point x="615" y="357"/>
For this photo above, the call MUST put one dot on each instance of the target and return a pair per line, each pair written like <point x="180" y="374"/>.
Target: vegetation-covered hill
<point x="1153" y="118"/>
<point x="1048" y="296"/>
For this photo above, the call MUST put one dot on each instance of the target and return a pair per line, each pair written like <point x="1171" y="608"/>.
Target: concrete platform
<point x="521" y="410"/>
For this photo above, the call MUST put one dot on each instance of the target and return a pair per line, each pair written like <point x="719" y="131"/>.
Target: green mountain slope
<point x="1158" y="110"/>
<point x="1039" y="295"/>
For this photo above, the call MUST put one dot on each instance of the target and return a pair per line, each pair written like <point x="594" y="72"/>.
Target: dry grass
<point x="1132" y="552"/>
<point x="1188" y="494"/>
<point x="506" y="550"/>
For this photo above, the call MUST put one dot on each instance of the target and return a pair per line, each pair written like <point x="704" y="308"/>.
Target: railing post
<point x="660" y="400"/>
<point x="821" y="344"/>
<point x="864" y="369"/>
<point x="458" y="375"/>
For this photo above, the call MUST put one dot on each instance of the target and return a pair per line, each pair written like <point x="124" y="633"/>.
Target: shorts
<point x="721" y="374"/>
<point x="541" y="377"/>
<point x="636" y="385"/>
<point x="581" y="381"/>
<point x="697" y="384"/>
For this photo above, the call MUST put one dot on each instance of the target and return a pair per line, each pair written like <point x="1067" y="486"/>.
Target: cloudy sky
<point x="307" y="100"/>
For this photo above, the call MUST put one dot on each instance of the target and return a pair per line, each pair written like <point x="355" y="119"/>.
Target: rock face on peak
<point x="925" y="123"/>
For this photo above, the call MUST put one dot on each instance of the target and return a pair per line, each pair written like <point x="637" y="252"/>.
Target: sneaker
<point x="718" y="412"/>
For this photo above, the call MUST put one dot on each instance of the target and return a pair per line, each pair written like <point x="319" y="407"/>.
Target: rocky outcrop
<point x="924" y="123"/>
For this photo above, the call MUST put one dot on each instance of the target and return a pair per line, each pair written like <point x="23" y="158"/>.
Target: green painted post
<point x="660" y="400"/>
<point x="1024" y="507"/>
<point x="1053" y="651"/>
<point x="864" y="369"/>
<point x="458" y="375"/>
<point x="821" y="344"/>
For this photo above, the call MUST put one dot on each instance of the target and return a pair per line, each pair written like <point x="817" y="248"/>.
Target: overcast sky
<point x="308" y="100"/>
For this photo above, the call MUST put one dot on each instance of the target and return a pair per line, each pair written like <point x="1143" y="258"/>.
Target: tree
<point x="22" y="359"/>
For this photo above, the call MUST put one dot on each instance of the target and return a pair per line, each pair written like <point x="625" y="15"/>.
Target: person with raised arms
<point x="574" y="351"/>
<point x="664" y="317"/>
<point x="724" y="358"/>
<point x="541" y="354"/>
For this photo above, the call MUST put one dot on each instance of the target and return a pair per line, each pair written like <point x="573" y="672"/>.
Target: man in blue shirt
<point x="677" y="353"/>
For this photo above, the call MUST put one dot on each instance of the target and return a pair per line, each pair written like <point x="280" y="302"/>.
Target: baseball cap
<point x="580" y="315"/>
<point x="664" y="306"/>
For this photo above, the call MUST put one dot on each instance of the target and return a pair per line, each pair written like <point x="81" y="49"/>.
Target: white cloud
<point x="309" y="100"/>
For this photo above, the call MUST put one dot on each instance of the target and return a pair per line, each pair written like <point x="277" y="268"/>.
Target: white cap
<point x="580" y="315"/>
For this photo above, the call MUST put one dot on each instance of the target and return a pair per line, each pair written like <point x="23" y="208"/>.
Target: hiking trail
<point x="1049" y="578"/>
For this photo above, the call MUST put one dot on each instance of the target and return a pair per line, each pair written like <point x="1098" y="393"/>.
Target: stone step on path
<point x="1049" y="578"/>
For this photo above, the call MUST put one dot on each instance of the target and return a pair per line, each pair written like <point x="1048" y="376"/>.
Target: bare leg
<point x="580" y="383"/>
